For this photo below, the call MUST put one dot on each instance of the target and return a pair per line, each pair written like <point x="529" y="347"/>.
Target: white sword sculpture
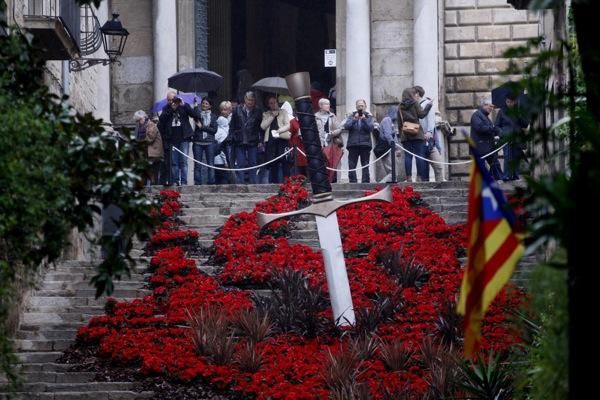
<point x="324" y="206"/>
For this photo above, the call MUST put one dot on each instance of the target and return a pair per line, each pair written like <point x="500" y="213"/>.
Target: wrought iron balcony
<point x="56" y="26"/>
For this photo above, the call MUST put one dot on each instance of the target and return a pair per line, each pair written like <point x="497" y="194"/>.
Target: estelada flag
<point x="494" y="249"/>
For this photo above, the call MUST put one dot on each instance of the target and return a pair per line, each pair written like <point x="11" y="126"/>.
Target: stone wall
<point x="391" y="52"/>
<point x="476" y="34"/>
<point x="132" y="80"/>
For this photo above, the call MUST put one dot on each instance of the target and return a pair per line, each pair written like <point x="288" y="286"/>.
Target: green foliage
<point x="486" y="380"/>
<point x="58" y="169"/>
<point x="545" y="373"/>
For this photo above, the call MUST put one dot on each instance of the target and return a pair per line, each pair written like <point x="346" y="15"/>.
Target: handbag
<point x="409" y="128"/>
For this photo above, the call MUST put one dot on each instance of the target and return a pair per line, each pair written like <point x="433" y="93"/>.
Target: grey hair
<point x="323" y="100"/>
<point x="140" y="114"/>
<point x="250" y="95"/>
<point x="486" y="101"/>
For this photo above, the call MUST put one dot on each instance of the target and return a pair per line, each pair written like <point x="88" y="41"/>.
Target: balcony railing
<point x="57" y="25"/>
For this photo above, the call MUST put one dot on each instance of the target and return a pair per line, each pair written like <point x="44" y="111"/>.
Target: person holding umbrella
<point x="511" y="123"/>
<point x="176" y="131"/>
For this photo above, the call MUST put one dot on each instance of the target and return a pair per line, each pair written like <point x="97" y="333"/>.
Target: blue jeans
<point x="209" y="152"/>
<point x="512" y="159"/>
<point x="179" y="163"/>
<point x="276" y="172"/>
<point x="417" y="147"/>
<point x="245" y="156"/>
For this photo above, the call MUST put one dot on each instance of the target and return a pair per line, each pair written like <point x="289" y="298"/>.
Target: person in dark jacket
<point x="176" y="131"/>
<point x="485" y="134"/>
<point x="359" y="125"/>
<point x="204" y="142"/>
<point x="511" y="125"/>
<point x="246" y="136"/>
<point x="410" y="111"/>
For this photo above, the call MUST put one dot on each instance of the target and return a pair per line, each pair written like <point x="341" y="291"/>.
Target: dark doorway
<point x="269" y="38"/>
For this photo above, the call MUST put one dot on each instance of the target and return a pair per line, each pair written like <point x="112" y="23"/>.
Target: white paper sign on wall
<point x="330" y="60"/>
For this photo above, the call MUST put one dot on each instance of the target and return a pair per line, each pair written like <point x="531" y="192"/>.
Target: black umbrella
<point x="272" y="84"/>
<point x="195" y="80"/>
<point x="500" y="94"/>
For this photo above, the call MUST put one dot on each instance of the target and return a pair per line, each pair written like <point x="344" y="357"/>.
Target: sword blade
<point x="335" y="269"/>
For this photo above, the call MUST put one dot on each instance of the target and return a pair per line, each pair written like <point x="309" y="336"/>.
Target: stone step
<point x="38" y="357"/>
<point x="87" y="395"/>
<point x="54" y="334"/>
<point x="26" y="345"/>
<point x="74" y="285"/>
<point x="203" y="219"/>
<point x="59" y="377"/>
<point x="314" y="243"/>
<point x="76" y="387"/>
<point x="349" y="193"/>
<point x="273" y="188"/>
<point x="69" y="302"/>
<point x="448" y="207"/>
<point x="203" y="210"/>
<point x="304" y="234"/>
<point x="47" y="366"/>
<point x="54" y="318"/>
<point x="91" y="292"/>
<point x="233" y="205"/>
<point x="91" y="270"/>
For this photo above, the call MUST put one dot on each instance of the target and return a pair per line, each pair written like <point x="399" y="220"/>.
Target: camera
<point x="177" y="100"/>
<point x="360" y="113"/>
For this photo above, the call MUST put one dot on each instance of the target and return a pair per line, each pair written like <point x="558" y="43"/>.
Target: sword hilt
<point x="299" y="86"/>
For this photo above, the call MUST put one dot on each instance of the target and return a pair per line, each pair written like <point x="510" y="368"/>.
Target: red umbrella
<point x="333" y="153"/>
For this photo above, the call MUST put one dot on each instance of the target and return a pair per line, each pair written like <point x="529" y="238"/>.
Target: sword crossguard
<point x="324" y="205"/>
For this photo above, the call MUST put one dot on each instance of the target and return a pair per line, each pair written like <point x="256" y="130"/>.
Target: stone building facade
<point x="453" y="48"/>
<point x="476" y="34"/>
<point x="88" y="90"/>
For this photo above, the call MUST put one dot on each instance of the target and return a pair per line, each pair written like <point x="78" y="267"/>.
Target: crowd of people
<point x="241" y="143"/>
<point x="508" y="126"/>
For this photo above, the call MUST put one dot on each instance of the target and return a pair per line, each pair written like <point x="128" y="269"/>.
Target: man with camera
<point x="359" y="125"/>
<point x="176" y="131"/>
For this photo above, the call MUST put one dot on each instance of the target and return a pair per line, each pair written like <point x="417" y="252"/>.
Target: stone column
<point x="426" y="51"/>
<point x="165" y="44"/>
<point x="358" y="65"/>
<point x="358" y="53"/>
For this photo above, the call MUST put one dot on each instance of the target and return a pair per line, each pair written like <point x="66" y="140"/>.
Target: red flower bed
<point x="153" y="332"/>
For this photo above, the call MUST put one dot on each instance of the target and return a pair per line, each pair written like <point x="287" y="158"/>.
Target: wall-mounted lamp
<point x="114" y="37"/>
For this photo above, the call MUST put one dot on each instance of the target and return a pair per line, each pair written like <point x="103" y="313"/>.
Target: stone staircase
<point x="64" y="301"/>
<point x="60" y="304"/>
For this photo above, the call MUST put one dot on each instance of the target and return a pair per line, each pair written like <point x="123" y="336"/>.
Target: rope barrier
<point x="234" y="169"/>
<point x="354" y="169"/>
<point x="335" y="169"/>
<point x="450" y="163"/>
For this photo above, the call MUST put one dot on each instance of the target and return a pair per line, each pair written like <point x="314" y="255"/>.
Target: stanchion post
<point x="393" y="160"/>
<point x="294" y="155"/>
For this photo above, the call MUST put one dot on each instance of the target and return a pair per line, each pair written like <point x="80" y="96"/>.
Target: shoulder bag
<point x="409" y="128"/>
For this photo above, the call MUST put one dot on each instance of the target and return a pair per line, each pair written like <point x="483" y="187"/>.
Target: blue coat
<point x="359" y="131"/>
